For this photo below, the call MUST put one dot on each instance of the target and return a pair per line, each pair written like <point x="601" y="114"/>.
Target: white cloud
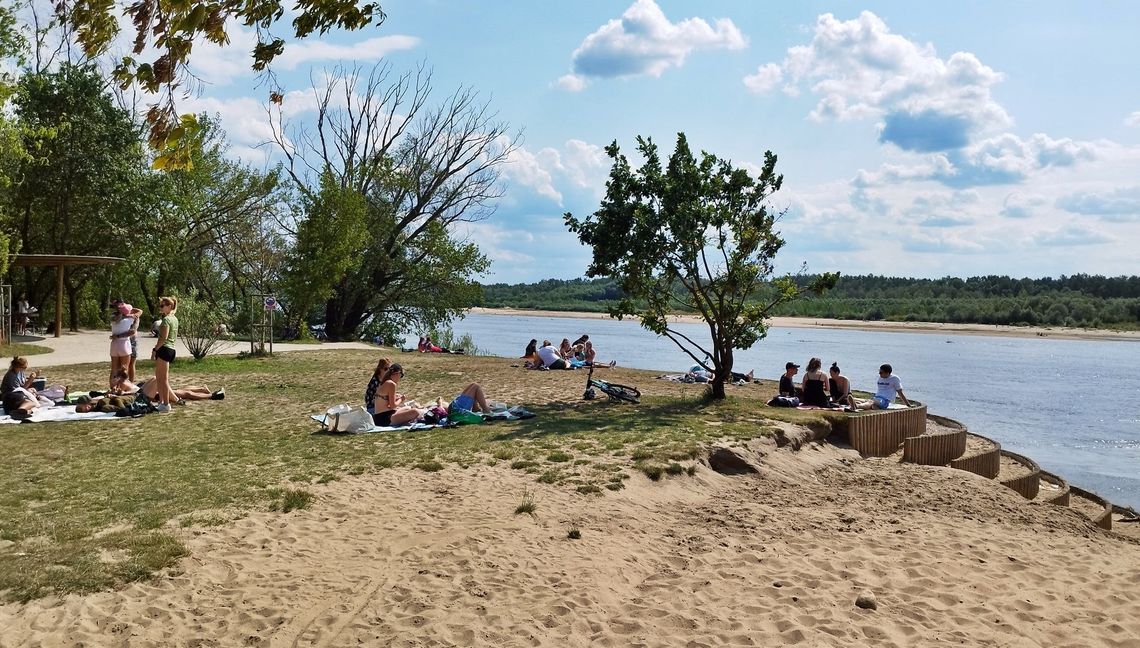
<point x="645" y="42"/>
<point x="859" y="70"/>
<point x="571" y="83"/>
<point x="767" y="77"/>
<point x="221" y="65"/>
<point x="1019" y="205"/>
<point x="1133" y="119"/>
<point x="525" y="168"/>
<point x="1121" y="204"/>
<point x="1072" y="235"/>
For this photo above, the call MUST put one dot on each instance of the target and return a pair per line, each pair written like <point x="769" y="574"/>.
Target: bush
<point x="203" y="326"/>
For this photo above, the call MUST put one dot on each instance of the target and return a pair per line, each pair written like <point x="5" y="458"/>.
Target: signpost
<point x="263" y="330"/>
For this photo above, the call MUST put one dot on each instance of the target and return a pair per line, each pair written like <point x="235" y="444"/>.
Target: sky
<point x="916" y="139"/>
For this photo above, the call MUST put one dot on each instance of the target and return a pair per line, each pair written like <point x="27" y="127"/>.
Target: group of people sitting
<point x="427" y="346"/>
<point x="817" y="389"/>
<point x="389" y="407"/>
<point x="568" y="355"/>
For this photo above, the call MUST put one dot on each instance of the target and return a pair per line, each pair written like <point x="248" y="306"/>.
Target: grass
<point x="72" y="494"/>
<point x="527" y="505"/>
<point x="21" y="349"/>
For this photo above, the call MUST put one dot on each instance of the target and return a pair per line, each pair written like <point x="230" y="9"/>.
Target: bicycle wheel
<point x="622" y="392"/>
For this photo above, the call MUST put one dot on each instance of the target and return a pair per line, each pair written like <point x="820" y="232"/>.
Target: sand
<point x="408" y="558"/>
<point x="1057" y="332"/>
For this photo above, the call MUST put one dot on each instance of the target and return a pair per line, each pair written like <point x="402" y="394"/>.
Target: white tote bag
<point x="346" y="418"/>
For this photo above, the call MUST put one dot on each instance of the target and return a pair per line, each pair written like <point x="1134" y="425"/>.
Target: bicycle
<point x="613" y="390"/>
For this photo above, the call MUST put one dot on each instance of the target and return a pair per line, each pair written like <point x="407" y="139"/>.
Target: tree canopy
<point x="700" y="224"/>
<point x="165" y="34"/>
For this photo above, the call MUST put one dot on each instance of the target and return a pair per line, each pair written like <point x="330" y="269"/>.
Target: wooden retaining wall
<point x="1026" y="485"/>
<point x="1061" y="496"/>
<point x="987" y="464"/>
<point x="879" y="433"/>
<point x="936" y="449"/>
<point x="1102" y="520"/>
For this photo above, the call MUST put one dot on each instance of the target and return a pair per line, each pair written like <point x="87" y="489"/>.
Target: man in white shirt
<point x="886" y="387"/>
<point x="550" y="357"/>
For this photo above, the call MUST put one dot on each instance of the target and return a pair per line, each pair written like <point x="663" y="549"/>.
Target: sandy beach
<point x="905" y="327"/>
<point x="408" y="558"/>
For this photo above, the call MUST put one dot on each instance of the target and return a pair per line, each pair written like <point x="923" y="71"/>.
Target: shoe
<point x="219" y="395"/>
<point x="162" y="407"/>
<point x="181" y="401"/>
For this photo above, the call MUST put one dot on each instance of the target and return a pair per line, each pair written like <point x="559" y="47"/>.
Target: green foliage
<point x="329" y="243"/>
<point x="168" y="31"/>
<point x="80" y="185"/>
<point x="699" y="224"/>
<point x="200" y="324"/>
<point x="1078" y="300"/>
<point x="418" y="173"/>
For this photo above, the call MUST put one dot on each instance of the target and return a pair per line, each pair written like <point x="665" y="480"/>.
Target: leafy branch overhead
<point x="695" y="236"/>
<point x="169" y="29"/>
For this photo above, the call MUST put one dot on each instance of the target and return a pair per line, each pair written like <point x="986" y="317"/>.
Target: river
<point x="1071" y="405"/>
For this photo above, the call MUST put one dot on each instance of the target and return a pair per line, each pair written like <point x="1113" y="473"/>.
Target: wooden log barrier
<point x="879" y="433"/>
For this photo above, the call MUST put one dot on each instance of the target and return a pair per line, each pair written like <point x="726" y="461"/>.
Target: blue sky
<point x="916" y="139"/>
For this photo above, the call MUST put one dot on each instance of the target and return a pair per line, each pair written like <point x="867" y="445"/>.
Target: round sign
<point x="270" y="303"/>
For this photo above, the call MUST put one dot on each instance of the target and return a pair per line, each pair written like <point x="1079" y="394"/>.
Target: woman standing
<point x="123" y="321"/>
<point x="22" y="311"/>
<point x="164" y="352"/>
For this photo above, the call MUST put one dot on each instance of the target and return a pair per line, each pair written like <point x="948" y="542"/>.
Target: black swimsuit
<point x="813" y="393"/>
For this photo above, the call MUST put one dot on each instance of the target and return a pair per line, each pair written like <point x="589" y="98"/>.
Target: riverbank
<point x="417" y="538"/>
<point x="1060" y="333"/>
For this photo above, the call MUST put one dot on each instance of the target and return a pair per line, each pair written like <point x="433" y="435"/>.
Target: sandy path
<point x="406" y="558"/>
<point x="95" y="346"/>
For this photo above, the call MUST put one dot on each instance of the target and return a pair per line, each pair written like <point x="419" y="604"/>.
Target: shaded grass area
<point x="91" y="505"/>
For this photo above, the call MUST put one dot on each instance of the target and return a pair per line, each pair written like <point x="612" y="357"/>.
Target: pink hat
<point x="125" y="308"/>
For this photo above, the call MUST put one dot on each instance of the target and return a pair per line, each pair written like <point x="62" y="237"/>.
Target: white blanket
<point x="59" y="413"/>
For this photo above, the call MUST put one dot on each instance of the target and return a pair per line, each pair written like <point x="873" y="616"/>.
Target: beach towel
<point x="326" y="422"/>
<point x="58" y="413"/>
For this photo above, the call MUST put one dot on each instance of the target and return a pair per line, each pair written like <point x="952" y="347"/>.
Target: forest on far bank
<point x="1086" y="301"/>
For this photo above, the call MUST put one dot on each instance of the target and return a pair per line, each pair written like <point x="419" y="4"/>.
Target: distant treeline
<point x="1090" y="301"/>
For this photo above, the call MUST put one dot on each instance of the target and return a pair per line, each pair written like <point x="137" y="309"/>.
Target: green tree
<point x="422" y="171"/>
<point x="82" y="187"/>
<point x="696" y="236"/>
<point x="166" y="32"/>
<point x="210" y="227"/>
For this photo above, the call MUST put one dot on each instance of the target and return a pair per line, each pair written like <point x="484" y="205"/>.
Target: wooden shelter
<point x="59" y="262"/>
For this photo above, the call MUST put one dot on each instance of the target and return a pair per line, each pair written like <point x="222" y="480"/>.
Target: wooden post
<point x="58" y="298"/>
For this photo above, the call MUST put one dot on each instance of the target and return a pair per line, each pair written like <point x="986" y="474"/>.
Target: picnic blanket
<point x="512" y="414"/>
<point x="59" y="413"/>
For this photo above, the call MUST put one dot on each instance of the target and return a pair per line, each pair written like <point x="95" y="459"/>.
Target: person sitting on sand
<point x="839" y="387"/>
<point x="813" y="385"/>
<point x="530" y="355"/>
<point x="566" y="350"/>
<point x="885" y="389"/>
<point x="550" y="357"/>
<point x="374" y="384"/>
<point x="787" y="386"/>
<point x="590" y="357"/>
<point x="20" y="398"/>
<point x="389" y="406"/>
